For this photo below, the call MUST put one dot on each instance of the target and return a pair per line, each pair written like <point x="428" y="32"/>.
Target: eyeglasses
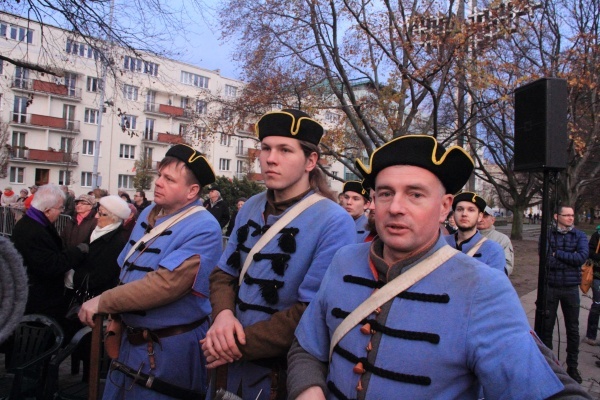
<point x="567" y="215"/>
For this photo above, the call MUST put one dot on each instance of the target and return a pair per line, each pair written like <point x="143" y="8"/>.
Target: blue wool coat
<point x="179" y="358"/>
<point x="318" y="233"/>
<point x="460" y="327"/>
<point x="361" y="228"/>
<point x="490" y="252"/>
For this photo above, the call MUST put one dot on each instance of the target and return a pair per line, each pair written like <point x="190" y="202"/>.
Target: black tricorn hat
<point x="453" y="166"/>
<point x="290" y="123"/>
<point x="471" y="197"/>
<point x="195" y="161"/>
<point x="356" y="186"/>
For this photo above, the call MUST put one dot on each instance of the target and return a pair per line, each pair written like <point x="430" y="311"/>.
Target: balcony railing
<point x="46" y="121"/>
<point x="169" y="138"/>
<point x="241" y="151"/>
<point x="49" y="156"/>
<point x="240" y="175"/>
<point x="46" y="87"/>
<point x="165" y="109"/>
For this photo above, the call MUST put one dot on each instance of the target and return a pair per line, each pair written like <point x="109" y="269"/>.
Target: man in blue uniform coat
<point x="468" y="210"/>
<point x="356" y="201"/>
<point x="255" y="317"/>
<point x="458" y="327"/>
<point x="163" y="296"/>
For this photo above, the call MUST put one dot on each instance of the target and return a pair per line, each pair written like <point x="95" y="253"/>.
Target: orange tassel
<point x="366" y="329"/>
<point x="369" y="346"/>
<point x="358" y="368"/>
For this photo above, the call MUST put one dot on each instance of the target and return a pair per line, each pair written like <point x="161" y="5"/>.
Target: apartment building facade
<point x="50" y="122"/>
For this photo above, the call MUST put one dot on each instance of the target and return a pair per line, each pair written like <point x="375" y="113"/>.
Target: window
<point x="88" y="147"/>
<point x="198" y="133"/>
<point x="21" y="79"/>
<point x="125" y="182"/>
<point x="148" y="156"/>
<point x="18" y="144"/>
<point x="149" y="130"/>
<point x="92" y="84"/>
<point x="19" y="33"/>
<point x="183" y="128"/>
<point x="64" y="177"/>
<point x="185" y="102"/>
<point x="20" y="109"/>
<point x="239" y="166"/>
<point x="201" y="107"/>
<point x="66" y="144"/>
<point x="130" y="92"/>
<point x="332" y="117"/>
<point x="225" y="140"/>
<point x="90" y="116"/>
<point x="16" y="174"/>
<point x="71" y="83"/>
<point x="3" y="27"/>
<point x="81" y="49"/>
<point x="226" y="114"/>
<point x="224" y="164"/>
<point x="127" y="151"/>
<point x="230" y="91"/>
<point x="86" y="179"/>
<point x="137" y="65"/>
<point x="129" y="122"/>
<point x="187" y="78"/>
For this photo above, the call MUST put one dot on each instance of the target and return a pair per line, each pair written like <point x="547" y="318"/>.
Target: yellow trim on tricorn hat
<point x="195" y="161"/>
<point x="453" y="166"/>
<point x="470" y="197"/>
<point x="290" y="123"/>
<point x="357" y="187"/>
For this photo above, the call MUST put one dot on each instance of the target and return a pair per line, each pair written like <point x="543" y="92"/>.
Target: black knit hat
<point x="453" y="167"/>
<point x="471" y="198"/>
<point x="290" y="123"/>
<point x="356" y="186"/>
<point x="195" y="161"/>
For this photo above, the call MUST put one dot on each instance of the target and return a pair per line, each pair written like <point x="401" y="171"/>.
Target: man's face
<point x="137" y="198"/>
<point x="466" y="216"/>
<point x="213" y="195"/>
<point x="240" y="204"/>
<point x="355" y="204"/>
<point x="284" y="166"/>
<point x="54" y="212"/>
<point x="410" y="204"/>
<point x="565" y="218"/>
<point x="486" y="221"/>
<point x="172" y="191"/>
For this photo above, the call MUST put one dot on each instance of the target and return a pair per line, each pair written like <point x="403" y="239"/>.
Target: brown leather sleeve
<point x="273" y="337"/>
<point x="222" y="292"/>
<point x="156" y="289"/>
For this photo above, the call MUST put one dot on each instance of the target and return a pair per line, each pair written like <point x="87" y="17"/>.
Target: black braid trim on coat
<point x="132" y="242"/>
<point x="287" y="240"/>
<point x="153" y="250"/>
<point x="133" y="267"/>
<point x="242" y="233"/>
<point x="166" y="233"/>
<point x="278" y="261"/>
<point x="397" y="333"/>
<point x="258" y="229"/>
<point x="235" y="258"/>
<point x="268" y="287"/>
<point x="334" y="390"/>
<point x="246" y="306"/>
<point x="147" y="228"/>
<point x="384" y="373"/>
<point x="426" y="297"/>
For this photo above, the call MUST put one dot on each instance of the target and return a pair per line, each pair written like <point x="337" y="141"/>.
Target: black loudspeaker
<point x="541" y="125"/>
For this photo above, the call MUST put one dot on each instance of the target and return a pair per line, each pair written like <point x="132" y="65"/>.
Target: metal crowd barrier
<point x="9" y="216"/>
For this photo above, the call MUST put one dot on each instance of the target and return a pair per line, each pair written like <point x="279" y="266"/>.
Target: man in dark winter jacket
<point x="217" y="206"/>
<point x="567" y="250"/>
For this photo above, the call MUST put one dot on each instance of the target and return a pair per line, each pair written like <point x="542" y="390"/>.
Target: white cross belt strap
<point x="157" y="230"/>
<point x="476" y="247"/>
<point x="390" y="290"/>
<point x="276" y="227"/>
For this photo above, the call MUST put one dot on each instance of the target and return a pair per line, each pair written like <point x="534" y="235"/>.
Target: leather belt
<point x="139" y="336"/>
<point x="158" y="385"/>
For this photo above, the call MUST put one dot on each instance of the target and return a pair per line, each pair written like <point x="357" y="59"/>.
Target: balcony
<point x="241" y="151"/>
<point x="167" y="110"/>
<point x="253" y="153"/>
<point x="43" y="156"/>
<point x="51" y="88"/>
<point x="169" y="138"/>
<point x="240" y="175"/>
<point x="53" y="123"/>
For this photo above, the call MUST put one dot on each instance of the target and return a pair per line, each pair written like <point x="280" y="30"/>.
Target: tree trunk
<point x="516" y="232"/>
